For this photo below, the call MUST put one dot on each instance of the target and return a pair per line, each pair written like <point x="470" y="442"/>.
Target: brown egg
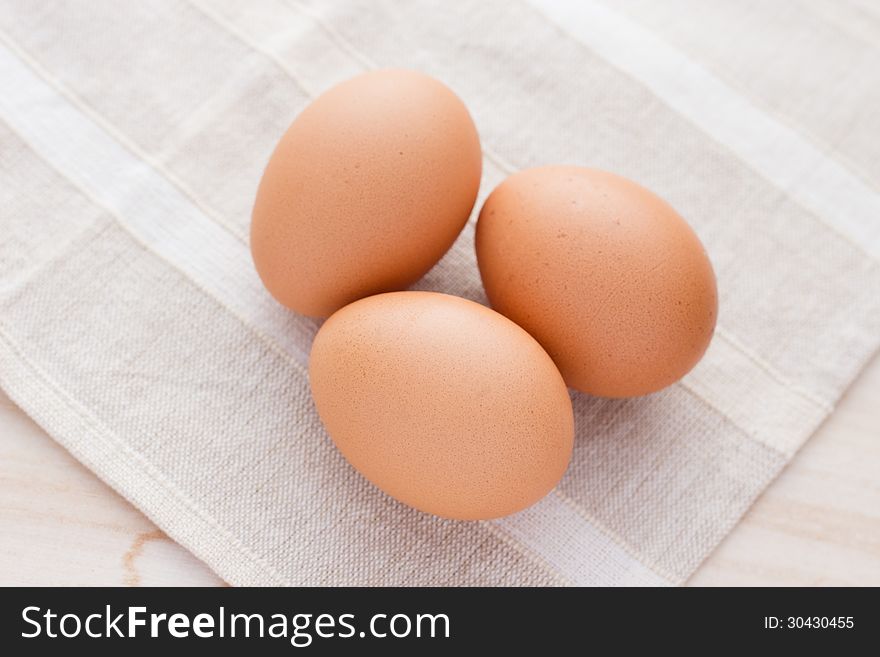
<point x="442" y="403"/>
<point x="603" y="273"/>
<point x="365" y="192"/>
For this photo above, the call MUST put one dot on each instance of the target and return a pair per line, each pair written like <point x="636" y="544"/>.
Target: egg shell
<point x="365" y="192"/>
<point x="442" y="403"/>
<point x="603" y="273"/>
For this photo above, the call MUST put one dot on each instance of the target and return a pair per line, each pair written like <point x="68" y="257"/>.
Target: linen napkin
<point x="134" y="329"/>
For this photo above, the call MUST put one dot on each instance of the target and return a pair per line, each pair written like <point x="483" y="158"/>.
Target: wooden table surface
<point x="817" y="524"/>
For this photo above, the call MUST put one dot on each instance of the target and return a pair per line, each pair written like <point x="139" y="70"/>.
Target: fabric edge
<point x="72" y="428"/>
<point x="875" y="354"/>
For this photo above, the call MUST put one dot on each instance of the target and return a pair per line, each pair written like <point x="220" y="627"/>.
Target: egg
<point x="368" y="188"/>
<point x="442" y="403"/>
<point x="603" y="273"/>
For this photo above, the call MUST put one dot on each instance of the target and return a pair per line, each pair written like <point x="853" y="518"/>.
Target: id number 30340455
<point x="808" y="622"/>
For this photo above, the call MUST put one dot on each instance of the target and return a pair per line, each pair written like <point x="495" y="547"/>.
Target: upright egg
<point x="365" y="192"/>
<point x="442" y="403"/>
<point x="606" y="275"/>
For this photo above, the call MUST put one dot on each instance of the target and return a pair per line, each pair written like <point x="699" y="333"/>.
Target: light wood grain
<point x="817" y="524"/>
<point x="60" y="525"/>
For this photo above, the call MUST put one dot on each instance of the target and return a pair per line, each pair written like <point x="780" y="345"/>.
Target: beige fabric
<point x="811" y="62"/>
<point x="133" y="328"/>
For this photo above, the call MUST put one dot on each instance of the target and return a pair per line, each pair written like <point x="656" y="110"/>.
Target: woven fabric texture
<point x="134" y="329"/>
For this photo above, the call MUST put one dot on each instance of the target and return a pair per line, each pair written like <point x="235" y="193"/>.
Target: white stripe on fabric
<point x="777" y="152"/>
<point x="606" y="564"/>
<point x="154" y="210"/>
<point x="161" y="216"/>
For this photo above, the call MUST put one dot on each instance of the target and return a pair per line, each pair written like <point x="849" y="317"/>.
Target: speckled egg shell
<point x="603" y="273"/>
<point x="442" y="403"/>
<point x="365" y="192"/>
